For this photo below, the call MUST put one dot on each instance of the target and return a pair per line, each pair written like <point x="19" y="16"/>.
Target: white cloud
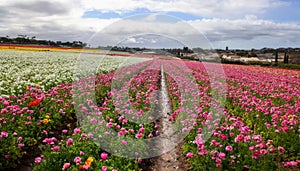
<point x="230" y="22"/>
<point x="250" y="31"/>
<point x="212" y="8"/>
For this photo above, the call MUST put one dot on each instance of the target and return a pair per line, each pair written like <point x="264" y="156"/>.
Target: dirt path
<point x="172" y="159"/>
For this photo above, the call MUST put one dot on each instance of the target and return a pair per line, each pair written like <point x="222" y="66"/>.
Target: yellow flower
<point x="46" y="121"/>
<point x="47" y="116"/>
<point x="90" y="159"/>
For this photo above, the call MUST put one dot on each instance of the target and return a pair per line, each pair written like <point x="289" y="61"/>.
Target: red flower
<point x="34" y="103"/>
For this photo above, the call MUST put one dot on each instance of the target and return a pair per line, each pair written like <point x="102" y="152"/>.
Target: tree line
<point x="26" y="40"/>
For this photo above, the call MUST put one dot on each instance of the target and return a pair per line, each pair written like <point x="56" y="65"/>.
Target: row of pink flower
<point x="241" y="90"/>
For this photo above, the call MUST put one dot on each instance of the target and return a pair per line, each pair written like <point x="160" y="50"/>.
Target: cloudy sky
<point x="219" y="23"/>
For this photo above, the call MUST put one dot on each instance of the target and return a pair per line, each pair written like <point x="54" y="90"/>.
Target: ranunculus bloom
<point x="21" y="145"/>
<point x="69" y="142"/>
<point x="77" y="160"/>
<point x="104" y="168"/>
<point x="222" y="155"/>
<point x="104" y="156"/>
<point x="280" y="149"/>
<point x="77" y="130"/>
<point x="56" y="148"/>
<point x="138" y="136"/>
<point x="38" y="160"/>
<point x="66" y="165"/>
<point x="189" y="155"/>
<point x="34" y="103"/>
<point x="20" y="139"/>
<point x="229" y="148"/>
<point x="124" y="142"/>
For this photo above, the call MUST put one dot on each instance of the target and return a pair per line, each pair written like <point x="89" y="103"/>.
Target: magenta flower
<point x="222" y="155"/>
<point x="104" y="168"/>
<point x="138" y="136"/>
<point x="69" y="142"/>
<point x="189" y="155"/>
<point x="37" y="160"/>
<point x="56" y="148"/>
<point x="81" y="153"/>
<point x="280" y="149"/>
<point x="77" y="130"/>
<point x="4" y="134"/>
<point x="21" y="145"/>
<point x="19" y="138"/>
<point x="229" y="148"/>
<point x="104" y="156"/>
<point x="77" y="160"/>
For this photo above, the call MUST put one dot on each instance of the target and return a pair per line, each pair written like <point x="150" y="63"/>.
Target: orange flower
<point x="34" y="103"/>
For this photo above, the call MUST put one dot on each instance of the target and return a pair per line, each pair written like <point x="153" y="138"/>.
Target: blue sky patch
<point x="109" y="15"/>
<point x="288" y="13"/>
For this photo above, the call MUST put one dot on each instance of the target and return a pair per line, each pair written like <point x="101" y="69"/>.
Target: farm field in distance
<point x="61" y="110"/>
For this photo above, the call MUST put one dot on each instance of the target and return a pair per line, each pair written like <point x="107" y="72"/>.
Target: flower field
<point x="240" y="118"/>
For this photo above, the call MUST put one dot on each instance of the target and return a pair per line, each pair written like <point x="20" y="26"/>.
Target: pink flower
<point x="280" y="149"/>
<point x="21" y="145"/>
<point x="50" y="140"/>
<point x="142" y="130"/>
<point x="109" y="125"/>
<point x="20" y="139"/>
<point x="189" y="155"/>
<point x="239" y="138"/>
<point x="66" y="165"/>
<point x="4" y="134"/>
<point x="56" y="148"/>
<point x="229" y="148"/>
<point x="124" y="142"/>
<point x="224" y="137"/>
<point x="64" y="131"/>
<point x="268" y="125"/>
<point x="45" y="132"/>
<point x="138" y="136"/>
<point x="81" y="153"/>
<point x="291" y="164"/>
<point x="77" y="160"/>
<point x="86" y="167"/>
<point x="104" y="156"/>
<point x="104" y="168"/>
<point x="38" y="160"/>
<point x="222" y="155"/>
<point x="77" y="130"/>
<point x="69" y="142"/>
<point x="263" y="151"/>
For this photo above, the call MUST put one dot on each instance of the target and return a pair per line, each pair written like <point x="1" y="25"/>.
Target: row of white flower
<point x="19" y="69"/>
